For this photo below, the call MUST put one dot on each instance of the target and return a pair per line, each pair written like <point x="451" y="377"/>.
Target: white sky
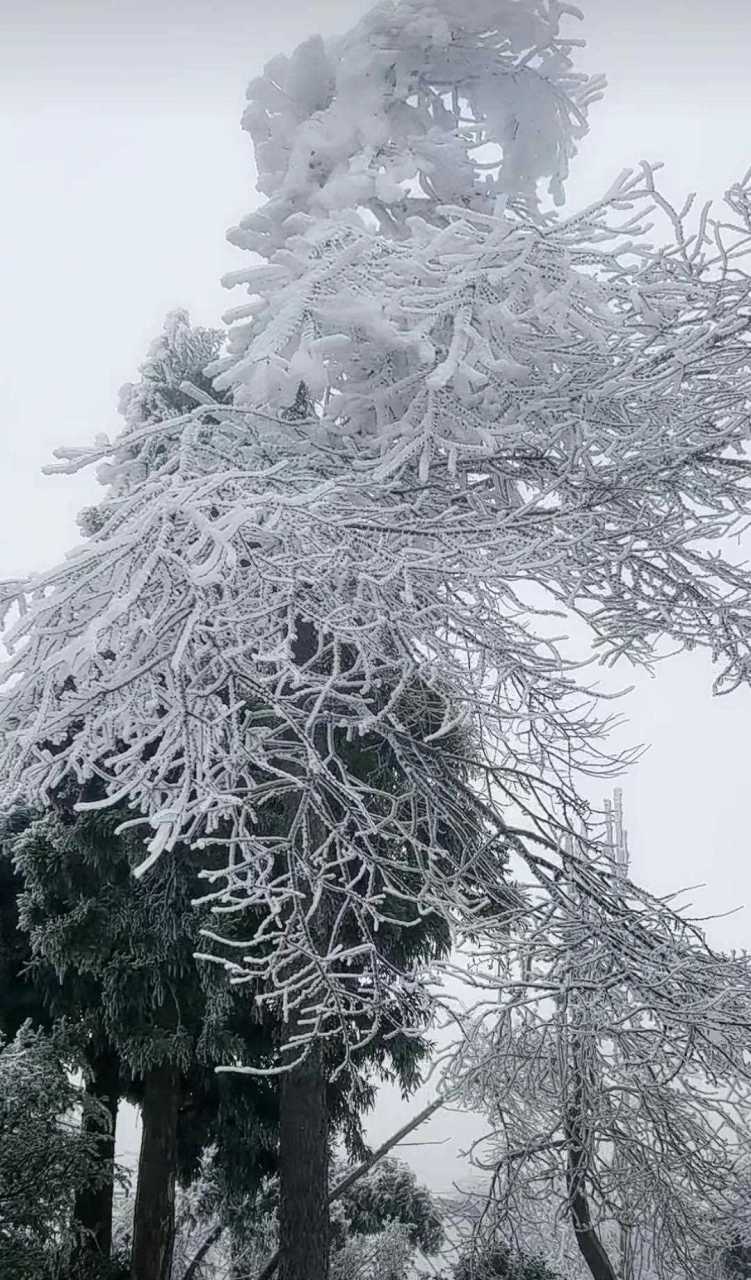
<point x="121" y="164"/>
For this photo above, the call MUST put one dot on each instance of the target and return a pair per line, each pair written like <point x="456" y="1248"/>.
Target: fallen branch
<point x="200" y="1254"/>
<point x="351" y="1178"/>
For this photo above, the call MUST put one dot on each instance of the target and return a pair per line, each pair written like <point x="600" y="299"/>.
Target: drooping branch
<point x="601" y="1035"/>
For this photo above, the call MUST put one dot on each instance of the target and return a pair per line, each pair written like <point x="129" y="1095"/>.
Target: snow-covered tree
<point x="370" y="669"/>
<point x="46" y="1156"/>
<point x="114" y="961"/>
<point x="420" y="104"/>
<point x="614" y="1072"/>
<point x="21" y="999"/>
<point x="378" y="1226"/>
<point x="453" y="414"/>
<point x="35" y="993"/>
<point x="494" y="1260"/>
<point x="384" y="1255"/>
<point x="390" y="1193"/>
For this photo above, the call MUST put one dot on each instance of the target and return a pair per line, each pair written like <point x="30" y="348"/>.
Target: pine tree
<point x="46" y="1156"/>
<point x="34" y="994"/>
<point x="122" y="960"/>
<point x="21" y="1000"/>
<point x="90" y="938"/>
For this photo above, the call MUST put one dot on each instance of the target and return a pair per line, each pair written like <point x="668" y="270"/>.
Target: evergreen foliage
<point x="121" y="951"/>
<point x="46" y="1156"/>
<point x="21" y="1000"/>
<point x="390" y="1193"/>
<point x="500" y="1262"/>
<point x="116" y="961"/>
<point x="114" y="957"/>
<point x="378" y="1225"/>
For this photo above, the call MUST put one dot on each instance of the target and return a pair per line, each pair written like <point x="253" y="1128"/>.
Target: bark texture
<point x="304" y="1171"/>
<point x="154" y="1219"/>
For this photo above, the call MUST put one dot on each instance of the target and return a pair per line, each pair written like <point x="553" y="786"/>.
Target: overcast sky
<point x="122" y="163"/>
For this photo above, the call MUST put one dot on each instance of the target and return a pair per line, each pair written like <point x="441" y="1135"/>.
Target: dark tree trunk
<point x="303" y="1106"/>
<point x="154" y="1219"/>
<point x="304" y="1171"/>
<point x="349" y="1181"/>
<point x="93" y="1207"/>
<point x="590" y="1246"/>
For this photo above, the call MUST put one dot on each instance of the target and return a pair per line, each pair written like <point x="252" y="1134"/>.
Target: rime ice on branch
<point x="441" y="399"/>
<point x="610" y="1054"/>
<point x="421" y="103"/>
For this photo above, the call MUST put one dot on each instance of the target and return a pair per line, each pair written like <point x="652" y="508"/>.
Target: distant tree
<point x="382" y="1255"/>
<point x="497" y="1261"/>
<point x="615" y="1074"/>
<point x="382" y="1222"/>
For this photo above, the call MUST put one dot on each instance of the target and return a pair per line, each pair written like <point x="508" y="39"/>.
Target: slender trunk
<point x="303" y="1105"/>
<point x="154" y="1219"/>
<point x="92" y="1209"/>
<point x="627" y="1252"/>
<point x="304" y="1170"/>
<point x="590" y="1246"/>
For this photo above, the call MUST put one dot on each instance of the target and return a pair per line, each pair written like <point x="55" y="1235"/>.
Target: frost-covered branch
<point x="611" y="1056"/>
<point x="319" y="623"/>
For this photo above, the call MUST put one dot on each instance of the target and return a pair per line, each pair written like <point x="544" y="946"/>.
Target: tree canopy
<point x="310" y="649"/>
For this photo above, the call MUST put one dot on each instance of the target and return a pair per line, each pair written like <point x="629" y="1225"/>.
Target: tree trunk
<point x="590" y="1246"/>
<point x="351" y="1178"/>
<point x="304" y="1170"/>
<point x="93" y="1207"/>
<point x="303" y="1106"/>
<point x="154" y="1219"/>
